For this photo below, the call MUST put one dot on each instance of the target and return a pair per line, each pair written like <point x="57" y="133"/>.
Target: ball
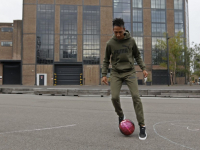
<point x="127" y="127"/>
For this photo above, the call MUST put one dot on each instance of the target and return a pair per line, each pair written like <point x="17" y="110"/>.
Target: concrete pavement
<point x="104" y="90"/>
<point x="30" y="122"/>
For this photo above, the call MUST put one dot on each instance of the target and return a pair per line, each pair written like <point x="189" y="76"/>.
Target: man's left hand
<point x="145" y="73"/>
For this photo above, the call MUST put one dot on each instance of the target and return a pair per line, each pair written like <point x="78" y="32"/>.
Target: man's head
<point x="118" y="28"/>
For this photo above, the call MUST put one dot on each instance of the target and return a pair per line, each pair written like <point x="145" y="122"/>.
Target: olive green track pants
<point x="131" y="80"/>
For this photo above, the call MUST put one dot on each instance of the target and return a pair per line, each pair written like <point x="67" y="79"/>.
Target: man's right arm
<point x="106" y="63"/>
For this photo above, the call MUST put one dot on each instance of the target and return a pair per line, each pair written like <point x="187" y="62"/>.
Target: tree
<point x="177" y="53"/>
<point x="196" y="59"/>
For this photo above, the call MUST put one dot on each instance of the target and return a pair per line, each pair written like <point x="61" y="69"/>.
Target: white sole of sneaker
<point x="142" y="138"/>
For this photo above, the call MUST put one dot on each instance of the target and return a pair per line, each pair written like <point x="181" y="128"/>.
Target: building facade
<point x="63" y="41"/>
<point x="10" y="52"/>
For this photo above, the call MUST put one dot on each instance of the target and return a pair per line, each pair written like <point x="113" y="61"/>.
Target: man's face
<point x="119" y="32"/>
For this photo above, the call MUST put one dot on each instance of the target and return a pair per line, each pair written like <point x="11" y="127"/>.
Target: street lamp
<point x="168" y="75"/>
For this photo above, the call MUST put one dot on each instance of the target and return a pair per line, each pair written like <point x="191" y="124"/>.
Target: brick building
<point x="63" y="39"/>
<point x="10" y="52"/>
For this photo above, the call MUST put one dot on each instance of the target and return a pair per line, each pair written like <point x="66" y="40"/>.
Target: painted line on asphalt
<point x="187" y="127"/>
<point x="51" y="128"/>
<point x="161" y="98"/>
<point x="154" y="128"/>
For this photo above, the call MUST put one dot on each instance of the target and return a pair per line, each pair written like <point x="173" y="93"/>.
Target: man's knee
<point x="115" y="97"/>
<point x="136" y="96"/>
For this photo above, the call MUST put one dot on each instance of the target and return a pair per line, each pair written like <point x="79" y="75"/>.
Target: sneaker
<point x="142" y="134"/>
<point x="121" y="119"/>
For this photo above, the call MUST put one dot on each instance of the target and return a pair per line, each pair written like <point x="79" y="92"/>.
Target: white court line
<point x="160" y="98"/>
<point x="188" y="127"/>
<point x="39" y="129"/>
<point x="154" y="128"/>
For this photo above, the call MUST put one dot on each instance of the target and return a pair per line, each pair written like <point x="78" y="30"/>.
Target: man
<point x="123" y="50"/>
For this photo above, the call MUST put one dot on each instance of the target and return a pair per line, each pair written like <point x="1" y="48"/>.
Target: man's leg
<point x="116" y="84"/>
<point x="131" y="81"/>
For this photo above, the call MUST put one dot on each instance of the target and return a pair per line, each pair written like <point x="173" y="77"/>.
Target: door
<point x="12" y="73"/>
<point x="41" y="79"/>
<point x="68" y="74"/>
<point x="159" y="77"/>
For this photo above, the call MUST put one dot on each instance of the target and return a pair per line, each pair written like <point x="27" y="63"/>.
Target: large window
<point x="178" y="16"/>
<point x="187" y="23"/>
<point x="158" y="28"/>
<point x="139" y="42"/>
<point x="137" y="13"/>
<point x="159" y="4"/>
<point x="45" y="33"/>
<point x="178" y="4"/>
<point x="91" y="34"/>
<point x="6" y="29"/>
<point x="68" y="33"/>
<point x="6" y="43"/>
<point x="122" y="9"/>
<point x="157" y="54"/>
<point x="137" y="22"/>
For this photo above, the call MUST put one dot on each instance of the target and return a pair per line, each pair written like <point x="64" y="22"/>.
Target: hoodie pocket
<point x="123" y="66"/>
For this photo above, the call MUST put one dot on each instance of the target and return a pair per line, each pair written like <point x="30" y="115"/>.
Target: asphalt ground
<point x="88" y="87"/>
<point x="30" y="122"/>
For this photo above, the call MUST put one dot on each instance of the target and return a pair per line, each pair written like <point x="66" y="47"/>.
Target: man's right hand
<point x="104" y="80"/>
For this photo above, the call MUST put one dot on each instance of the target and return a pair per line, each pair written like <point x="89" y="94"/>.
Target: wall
<point x="6" y="51"/>
<point x="29" y="42"/>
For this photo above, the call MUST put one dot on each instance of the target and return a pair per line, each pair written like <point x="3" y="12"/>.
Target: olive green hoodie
<point x="122" y="54"/>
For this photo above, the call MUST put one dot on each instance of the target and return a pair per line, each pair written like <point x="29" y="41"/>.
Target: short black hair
<point x="118" y="22"/>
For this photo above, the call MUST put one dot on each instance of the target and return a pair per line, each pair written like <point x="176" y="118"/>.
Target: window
<point x="91" y="34"/>
<point x="137" y="15"/>
<point x="137" y="3"/>
<point x="158" y="29"/>
<point x="6" y="43"/>
<point x="155" y="41"/>
<point x="180" y="74"/>
<point x="68" y="33"/>
<point x="178" y="4"/>
<point x="157" y="54"/>
<point x="6" y="29"/>
<point x="158" y="16"/>
<point x="178" y="20"/>
<point x="139" y="42"/>
<point x="137" y="29"/>
<point x="122" y="10"/>
<point x="45" y="33"/>
<point x="178" y="27"/>
<point x="187" y="23"/>
<point x="158" y="26"/>
<point x="178" y="17"/>
<point x="157" y="57"/>
<point x="137" y="18"/>
<point x="158" y="4"/>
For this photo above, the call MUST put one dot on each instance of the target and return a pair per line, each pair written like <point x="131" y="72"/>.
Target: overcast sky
<point x="12" y="10"/>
